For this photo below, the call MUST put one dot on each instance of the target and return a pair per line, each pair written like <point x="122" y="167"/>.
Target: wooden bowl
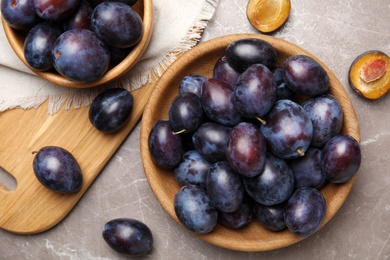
<point x="143" y="7"/>
<point x="200" y="60"/>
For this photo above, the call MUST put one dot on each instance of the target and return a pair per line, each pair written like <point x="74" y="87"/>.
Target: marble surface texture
<point x="334" y="31"/>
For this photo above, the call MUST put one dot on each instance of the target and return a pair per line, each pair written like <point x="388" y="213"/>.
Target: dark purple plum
<point x="185" y="113"/>
<point x="239" y="218"/>
<point x="246" y="149"/>
<point x="194" y="209"/>
<point x="111" y="109"/>
<point x="305" y="211"/>
<point x="192" y="83"/>
<point x="117" y="24"/>
<point x="282" y="91"/>
<point x="327" y="118"/>
<point x="224" y="187"/>
<point x="288" y="131"/>
<point x="305" y="76"/>
<point x="192" y="169"/>
<point x="128" y="236"/>
<point x="255" y="91"/>
<point x="245" y="52"/>
<point x="80" y="18"/>
<point x="223" y="71"/>
<point x="273" y="185"/>
<point x="341" y="158"/>
<point x="210" y="140"/>
<point x="165" y="147"/>
<point x="271" y="217"/>
<point x="19" y="14"/>
<point x="218" y="102"/>
<point x="94" y="3"/>
<point x="307" y="169"/>
<point x="57" y="169"/>
<point x="76" y="62"/>
<point x="39" y="43"/>
<point x="55" y="10"/>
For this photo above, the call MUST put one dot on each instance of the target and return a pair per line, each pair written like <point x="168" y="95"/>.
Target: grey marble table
<point x="334" y="31"/>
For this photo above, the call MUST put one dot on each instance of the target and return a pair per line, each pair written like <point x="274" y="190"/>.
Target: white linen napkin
<point x="177" y="27"/>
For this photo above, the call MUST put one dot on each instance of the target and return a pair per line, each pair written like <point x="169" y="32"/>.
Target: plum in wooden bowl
<point x="168" y="182"/>
<point x="48" y="47"/>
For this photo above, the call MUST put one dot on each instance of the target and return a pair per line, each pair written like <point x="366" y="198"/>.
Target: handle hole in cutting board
<point x="7" y="180"/>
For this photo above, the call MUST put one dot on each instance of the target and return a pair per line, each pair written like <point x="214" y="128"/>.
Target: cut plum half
<point x="268" y="15"/>
<point x="369" y="74"/>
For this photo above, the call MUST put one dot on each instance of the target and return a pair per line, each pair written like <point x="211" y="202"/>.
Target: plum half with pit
<point x="369" y="74"/>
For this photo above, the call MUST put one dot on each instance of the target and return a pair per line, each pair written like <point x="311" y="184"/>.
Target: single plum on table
<point x="111" y="109"/>
<point x="57" y="169"/>
<point x="128" y="236"/>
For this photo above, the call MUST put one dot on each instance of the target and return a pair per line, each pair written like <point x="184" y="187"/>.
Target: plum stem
<point x="261" y="120"/>
<point x="180" y="132"/>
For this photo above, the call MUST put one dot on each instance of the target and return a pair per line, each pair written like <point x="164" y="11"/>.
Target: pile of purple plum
<point x="80" y="39"/>
<point x="243" y="148"/>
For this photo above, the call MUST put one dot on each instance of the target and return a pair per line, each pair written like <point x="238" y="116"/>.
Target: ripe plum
<point x="305" y="76"/>
<point x="224" y="187"/>
<point x="218" y="102"/>
<point x="210" y="140"/>
<point x="271" y="217"/>
<point x="54" y="10"/>
<point x="128" y="236"/>
<point x="185" y="112"/>
<point x="107" y="22"/>
<point x="194" y="209"/>
<point x="307" y="169"/>
<point x="19" y="14"/>
<point x="239" y="218"/>
<point x="192" y="169"/>
<point x="289" y="129"/>
<point x="305" y="211"/>
<point x="165" y="147"/>
<point x="111" y="109"/>
<point x="273" y="185"/>
<point x="80" y="18"/>
<point x="327" y="118"/>
<point x="246" y="149"/>
<point x="223" y="71"/>
<point x="192" y="83"/>
<point x="74" y="61"/>
<point x="39" y="43"/>
<point x="245" y="52"/>
<point x="255" y="91"/>
<point x="57" y="169"/>
<point x="341" y="158"/>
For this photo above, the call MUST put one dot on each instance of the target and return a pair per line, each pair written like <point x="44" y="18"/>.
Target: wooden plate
<point x="200" y="60"/>
<point x="143" y="7"/>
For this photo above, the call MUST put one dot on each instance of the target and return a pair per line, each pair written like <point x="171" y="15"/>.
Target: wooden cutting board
<point x="30" y="207"/>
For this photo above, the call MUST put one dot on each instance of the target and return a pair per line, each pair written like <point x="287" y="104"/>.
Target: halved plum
<point x="268" y="15"/>
<point x="369" y="74"/>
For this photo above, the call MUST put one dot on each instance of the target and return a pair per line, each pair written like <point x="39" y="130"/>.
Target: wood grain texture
<point x="144" y="8"/>
<point x="200" y="60"/>
<point x="31" y="208"/>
